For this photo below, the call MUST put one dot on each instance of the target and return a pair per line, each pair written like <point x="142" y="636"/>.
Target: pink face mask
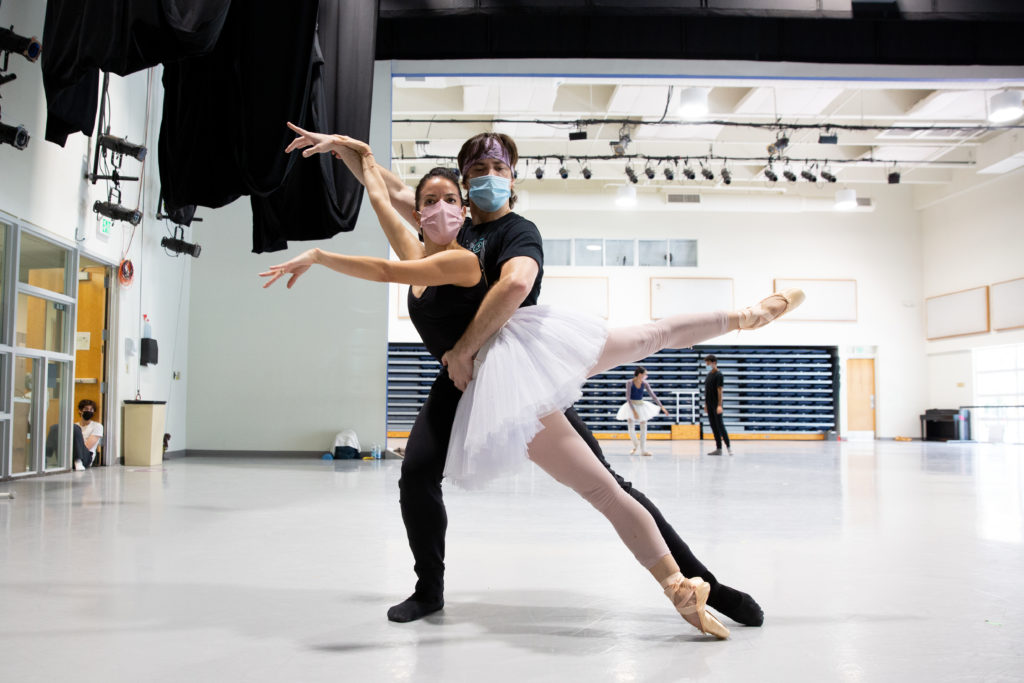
<point x="441" y="221"/>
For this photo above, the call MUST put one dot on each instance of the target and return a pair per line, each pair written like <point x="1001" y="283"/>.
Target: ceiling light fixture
<point x="827" y="137"/>
<point x="563" y="172"/>
<point x="726" y="176"/>
<point x="688" y="171"/>
<point x="781" y="143"/>
<point x="789" y="175"/>
<point x="706" y="172"/>
<point x="846" y="199"/>
<point x="808" y="175"/>
<point x="670" y="173"/>
<point x="827" y="174"/>
<point x="894" y="177"/>
<point x="625" y="196"/>
<point x="770" y="174"/>
<point x="649" y="171"/>
<point x="693" y="103"/>
<point x="587" y="173"/>
<point x="539" y="172"/>
<point x="1006" y="106"/>
<point x="631" y="174"/>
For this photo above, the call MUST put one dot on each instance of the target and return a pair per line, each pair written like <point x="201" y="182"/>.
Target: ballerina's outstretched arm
<point x="383" y="186"/>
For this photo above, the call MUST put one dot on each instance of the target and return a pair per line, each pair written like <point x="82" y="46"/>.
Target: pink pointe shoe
<point x="770" y="308"/>
<point x="690" y="597"/>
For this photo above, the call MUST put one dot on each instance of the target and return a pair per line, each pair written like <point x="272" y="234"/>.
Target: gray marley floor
<point x="876" y="561"/>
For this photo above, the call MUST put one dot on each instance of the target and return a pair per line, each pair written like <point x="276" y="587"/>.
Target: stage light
<point x="706" y="172"/>
<point x="619" y="146"/>
<point x="539" y="172"/>
<point x="894" y="178"/>
<point x="15" y="136"/>
<point x="578" y="135"/>
<point x="631" y="174"/>
<point x="29" y="48"/>
<point x="117" y="212"/>
<point x="563" y="172"/>
<point x="828" y="138"/>
<point x="1005" y="106"/>
<point x="688" y="172"/>
<point x="781" y="143"/>
<point x="649" y="172"/>
<point x="180" y="246"/>
<point x="770" y="174"/>
<point x="846" y="200"/>
<point x="726" y="176"/>
<point x="587" y="173"/>
<point x="807" y="175"/>
<point x="121" y="146"/>
<point x="827" y="175"/>
<point x="789" y="175"/>
<point x="670" y="174"/>
<point x="693" y="103"/>
<point x="625" y="196"/>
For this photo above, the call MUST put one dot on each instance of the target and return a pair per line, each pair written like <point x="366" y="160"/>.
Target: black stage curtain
<point x="234" y="73"/>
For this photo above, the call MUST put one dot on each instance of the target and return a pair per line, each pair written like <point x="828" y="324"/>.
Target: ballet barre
<point x="693" y="406"/>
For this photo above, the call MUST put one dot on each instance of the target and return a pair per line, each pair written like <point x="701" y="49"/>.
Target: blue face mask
<point x="490" y="192"/>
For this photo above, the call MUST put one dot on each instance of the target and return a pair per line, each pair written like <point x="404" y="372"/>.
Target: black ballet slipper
<point x="736" y="605"/>
<point x="414" y="607"/>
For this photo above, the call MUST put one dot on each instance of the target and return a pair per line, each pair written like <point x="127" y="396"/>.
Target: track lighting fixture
<point x="631" y="174"/>
<point x="706" y="172"/>
<point x="670" y="173"/>
<point x="587" y="173"/>
<point x="1006" y="106"/>
<point x="539" y="172"/>
<point x="619" y="146"/>
<point x="649" y="171"/>
<point x="726" y="176"/>
<point x="789" y="175"/>
<point x="121" y="146"/>
<point x="808" y="175"/>
<point x="688" y="171"/>
<point x="15" y="136"/>
<point x="828" y="175"/>
<point x="116" y="212"/>
<point x="770" y="174"/>
<point x="29" y="48"/>
<point x="563" y="172"/>
<point x="780" y="144"/>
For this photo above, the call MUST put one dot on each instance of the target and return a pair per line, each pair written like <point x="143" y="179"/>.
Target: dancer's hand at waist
<point x="460" y="367"/>
<point x="718" y="410"/>
<point x="295" y="267"/>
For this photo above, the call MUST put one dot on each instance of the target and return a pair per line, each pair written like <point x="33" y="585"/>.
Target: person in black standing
<point x="713" y="404"/>
<point x="511" y="253"/>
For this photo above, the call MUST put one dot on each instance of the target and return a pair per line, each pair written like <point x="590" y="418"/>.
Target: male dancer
<point x="513" y="264"/>
<point x="713" y="384"/>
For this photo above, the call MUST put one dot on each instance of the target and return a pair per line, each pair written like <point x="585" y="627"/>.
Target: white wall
<point x="279" y="369"/>
<point x="881" y="250"/>
<point x="972" y="235"/>
<point x="45" y="186"/>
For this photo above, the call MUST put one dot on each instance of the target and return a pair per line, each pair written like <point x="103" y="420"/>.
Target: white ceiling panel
<point x="787" y="101"/>
<point x="951" y="106"/>
<point x="638" y="100"/>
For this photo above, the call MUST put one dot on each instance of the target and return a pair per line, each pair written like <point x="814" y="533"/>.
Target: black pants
<point x="423" y="506"/>
<point x="718" y="427"/>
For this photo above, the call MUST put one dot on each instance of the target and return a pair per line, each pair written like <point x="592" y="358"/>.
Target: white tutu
<point x="645" y="409"/>
<point x="534" y="365"/>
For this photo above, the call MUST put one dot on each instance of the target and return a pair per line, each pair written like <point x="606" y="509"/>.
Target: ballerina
<point x="550" y="352"/>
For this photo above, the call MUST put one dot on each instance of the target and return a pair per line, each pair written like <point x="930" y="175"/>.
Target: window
<point x="652" y="252"/>
<point x="619" y="252"/>
<point x="682" y="253"/>
<point x="557" y="252"/>
<point x="40" y="324"/>
<point x="42" y="264"/>
<point x="589" y="252"/>
<point x="998" y="394"/>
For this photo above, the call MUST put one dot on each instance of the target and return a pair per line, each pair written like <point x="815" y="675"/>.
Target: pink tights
<point x="563" y="454"/>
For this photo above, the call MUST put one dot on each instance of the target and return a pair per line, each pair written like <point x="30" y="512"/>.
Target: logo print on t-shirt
<point x="478" y="246"/>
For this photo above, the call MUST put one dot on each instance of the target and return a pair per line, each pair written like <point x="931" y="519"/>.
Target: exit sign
<point x="105" y="226"/>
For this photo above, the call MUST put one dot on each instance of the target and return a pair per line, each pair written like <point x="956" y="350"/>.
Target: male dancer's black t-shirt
<point x="711" y="384"/>
<point x="442" y="314"/>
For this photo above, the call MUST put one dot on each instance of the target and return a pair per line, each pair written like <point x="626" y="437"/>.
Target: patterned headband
<point x="492" y="150"/>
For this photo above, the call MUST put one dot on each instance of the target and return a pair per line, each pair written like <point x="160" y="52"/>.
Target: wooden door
<point x="860" y="394"/>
